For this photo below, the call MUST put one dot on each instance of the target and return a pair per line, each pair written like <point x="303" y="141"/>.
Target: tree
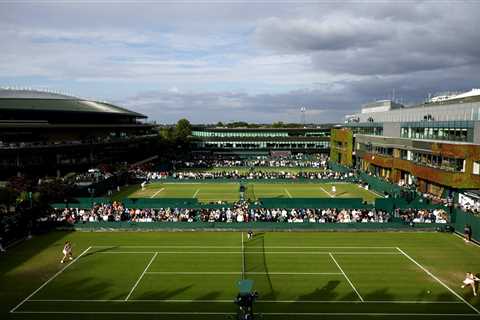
<point x="183" y="129"/>
<point x="278" y="124"/>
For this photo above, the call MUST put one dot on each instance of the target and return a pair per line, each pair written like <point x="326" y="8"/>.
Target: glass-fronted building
<point x="260" y="141"/>
<point x="434" y="146"/>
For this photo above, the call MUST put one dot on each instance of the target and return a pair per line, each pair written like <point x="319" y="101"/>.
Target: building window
<point x="476" y="167"/>
<point x="439" y="162"/>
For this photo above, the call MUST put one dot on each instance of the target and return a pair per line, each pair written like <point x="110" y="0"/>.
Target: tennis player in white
<point x="470" y="280"/>
<point x="67" y="252"/>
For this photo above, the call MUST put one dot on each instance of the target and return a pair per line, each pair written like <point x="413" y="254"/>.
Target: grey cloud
<point x="330" y="33"/>
<point x="383" y="61"/>
<point x="324" y="103"/>
<point x="327" y="58"/>
<point x="381" y="40"/>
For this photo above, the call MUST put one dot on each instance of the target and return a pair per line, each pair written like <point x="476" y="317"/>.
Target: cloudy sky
<point x="257" y="61"/>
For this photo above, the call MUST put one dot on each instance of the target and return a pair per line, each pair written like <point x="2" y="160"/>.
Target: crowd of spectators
<point x="320" y="162"/>
<point x="241" y="169"/>
<point x="471" y="207"/>
<point x="237" y="213"/>
<point x="146" y="174"/>
<point x="259" y="174"/>
<point x="422" y="215"/>
<point x="300" y="215"/>
<point x="117" y="212"/>
<point x="435" y="199"/>
<point x="91" y="176"/>
<point x="243" y="211"/>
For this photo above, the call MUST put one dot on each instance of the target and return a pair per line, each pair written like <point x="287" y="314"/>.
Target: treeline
<point x="242" y="124"/>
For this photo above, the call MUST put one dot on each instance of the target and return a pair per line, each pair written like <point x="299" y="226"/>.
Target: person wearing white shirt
<point x="470" y="280"/>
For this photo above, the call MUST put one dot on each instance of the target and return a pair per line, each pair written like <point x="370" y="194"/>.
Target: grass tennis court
<point x="229" y="192"/>
<point x="193" y="275"/>
<point x="204" y="192"/>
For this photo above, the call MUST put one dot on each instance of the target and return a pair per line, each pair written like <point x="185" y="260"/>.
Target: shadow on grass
<point x="326" y="293"/>
<point x="95" y="251"/>
<point x="162" y="294"/>
<point x="89" y="288"/>
<point x="27" y="265"/>
<point x="212" y="295"/>
<point x="379" y="295"/>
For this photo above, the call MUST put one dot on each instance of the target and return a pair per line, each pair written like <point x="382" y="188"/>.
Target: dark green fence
<point x="266" y="226"/>
<point x="390" y="204"/>
<point x="161" y="203"/>
<point x="82" y="203"/>
<point x="338" y="167"/>
<point x="461" y="218"/>
<point x="380" y="185"/>
<point x="318" y="203"/>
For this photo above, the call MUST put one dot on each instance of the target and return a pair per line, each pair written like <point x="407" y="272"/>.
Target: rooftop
<point x="35" y="100"/>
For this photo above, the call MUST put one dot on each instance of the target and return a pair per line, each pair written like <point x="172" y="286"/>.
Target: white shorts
<point x="65" y="252"/>
<point x="468" y="281"/>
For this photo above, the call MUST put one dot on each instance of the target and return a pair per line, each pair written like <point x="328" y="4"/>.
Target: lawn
<point x="310" y="190"/>
<point x="204" y="192"/>
<point x="193" y="275"/>
<point x="229" y="192"/>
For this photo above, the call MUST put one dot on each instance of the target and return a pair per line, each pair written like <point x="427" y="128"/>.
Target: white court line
<point x="126" y="252"/>
<point x="257" y="301"/>
<point x="156" y="193"/>
<point x="129" y="312"/>
<point x="438" y="280"/>
<point x="141" y="276"/>
<point x="238" y="247"/>
<point x="196" y="192"/>
<point x="351" y="284"/>
<point x="249" y="252"/>
<point x="327" y="192"/>
<point x="246" y="272"/>
<point x="288" y="193"/>
<point x="187" y="183"/>
<point x="49" y="280"/>
<point x="372" y="191"/>
<point x="264" y="313"/>
<point x="243" y="259"/>
<point x="459" y="235"/>
<point x="449" y="315"/>
<point x="474" y="242"/>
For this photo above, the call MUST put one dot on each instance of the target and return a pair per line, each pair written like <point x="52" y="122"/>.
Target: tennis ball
<point x="428" y="291"/>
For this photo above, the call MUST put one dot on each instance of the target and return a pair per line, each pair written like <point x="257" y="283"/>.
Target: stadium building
<point x="433" y="146"/>
<point x="263" y="141"/>
<point x="48" y="133"/>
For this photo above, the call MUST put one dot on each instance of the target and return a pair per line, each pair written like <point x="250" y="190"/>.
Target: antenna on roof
<point x="302" y="111"/>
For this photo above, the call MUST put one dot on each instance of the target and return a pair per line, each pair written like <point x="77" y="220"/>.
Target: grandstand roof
<point x="34" y="100"/>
